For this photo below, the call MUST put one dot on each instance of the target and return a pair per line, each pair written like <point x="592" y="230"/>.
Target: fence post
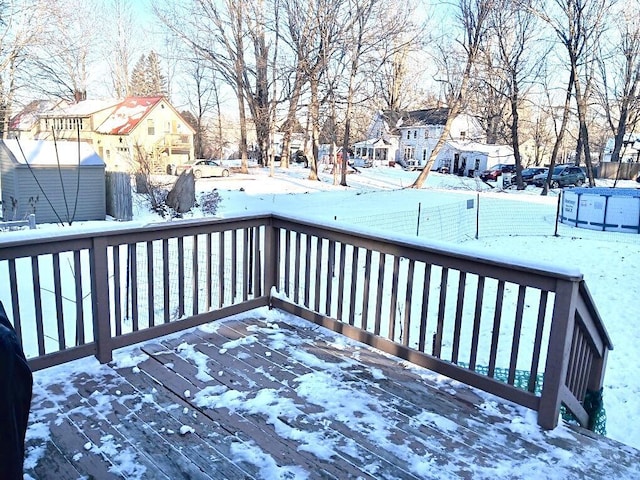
<point x="100" y="300"/>
<point x="478" y="217"/>
<point x="560" y="336"/>
<point x="555" y="234"/>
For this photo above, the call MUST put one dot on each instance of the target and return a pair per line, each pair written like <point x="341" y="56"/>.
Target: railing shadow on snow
<point x="438" y="306"/>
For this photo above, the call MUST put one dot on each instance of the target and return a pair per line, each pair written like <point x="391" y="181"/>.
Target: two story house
<point x="123" y="132"/>
<point x="408" y="138"/>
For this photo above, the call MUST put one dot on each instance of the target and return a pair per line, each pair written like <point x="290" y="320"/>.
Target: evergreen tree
<point x="146" y="78"/>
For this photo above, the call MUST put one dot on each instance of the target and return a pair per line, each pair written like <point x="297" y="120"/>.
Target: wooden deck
<point x="246" y="398"/>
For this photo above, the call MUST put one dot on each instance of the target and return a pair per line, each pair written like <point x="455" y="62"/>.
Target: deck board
<point x="365" y="415"/>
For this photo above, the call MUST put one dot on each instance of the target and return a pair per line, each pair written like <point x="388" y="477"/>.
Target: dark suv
<point x="498" y="169"/>
<point x="562" y="176"/>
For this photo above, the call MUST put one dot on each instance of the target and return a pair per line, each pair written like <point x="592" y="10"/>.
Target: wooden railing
<point x="465" y="316"/>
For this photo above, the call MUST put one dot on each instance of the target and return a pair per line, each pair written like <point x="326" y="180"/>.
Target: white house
<point x="409" y="137"/>
<point x="629" y="153"/>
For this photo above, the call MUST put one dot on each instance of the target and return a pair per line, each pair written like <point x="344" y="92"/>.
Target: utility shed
<point x="60" y="182"/>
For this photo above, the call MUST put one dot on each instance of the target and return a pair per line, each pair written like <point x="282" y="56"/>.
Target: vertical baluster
<point x="425" y="307"/>
<point x="517" y="329"/>
<point x="77" y="276"/>
<point x="379" y="295"/>
<point x="537" y="342"/>
<point x="133" y="262"/>
<point x="208" y="274"/>
<point x="246" y="264"/>
<point x="394" y="298"/>
<point x="497" y="317"/>
<point x="15" y="299"/>
<point x="234" y="265"/>
<point x="195" y="254"/>
<point x="462" y="279"/>
<point x="406" y="329"/>
<point x="35" y="274"/>
<point x="287" y="261"/>
<point x="150" y="285"/>
<point x="367" y="288"/>
<point x="477" y="317"/>
<point x="341" y="280"/>
<point x="221" y="271"/>
<point x="117" y="289"/>
<point x="296" y="269"/>
<point x="57" y="291"/>
<point x="257" y="262"/>
<point x="318" y="280"/>
<point x="437" y="341"/>
<point x="307" y="272"/>
<point x="354" y="282"/>
<point x="330" y="274"/>
<point x="166" y="281"/>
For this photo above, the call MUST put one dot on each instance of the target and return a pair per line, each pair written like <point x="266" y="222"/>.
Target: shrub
<point x="209" y="202"/>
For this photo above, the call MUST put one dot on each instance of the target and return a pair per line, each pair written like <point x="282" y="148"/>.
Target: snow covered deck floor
<point x="279" y="398"/>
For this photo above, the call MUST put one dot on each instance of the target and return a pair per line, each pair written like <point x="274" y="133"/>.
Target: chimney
<point x="79" y="95"/>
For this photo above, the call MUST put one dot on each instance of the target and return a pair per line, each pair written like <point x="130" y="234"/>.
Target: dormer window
<point x="463" y="135"/>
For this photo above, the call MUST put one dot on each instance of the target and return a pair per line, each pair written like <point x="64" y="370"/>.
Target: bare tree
<point x="515" y="29"/>
<point x="20" y="26"/>
<point x="119" y="44"/>
<point x="620" y="74"/>
<point x="61" y="64"/>
<point x="578" y="25"/>
<point x="473" y="18"/>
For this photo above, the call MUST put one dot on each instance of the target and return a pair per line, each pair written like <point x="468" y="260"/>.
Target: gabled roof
<point x="424" y="117"/>
<point x="84" y="108"/>
<point x="128" y="115"/>
<point x="28" y="117"/>
<point x="48" y="153"/>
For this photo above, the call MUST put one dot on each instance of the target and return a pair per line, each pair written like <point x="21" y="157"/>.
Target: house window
<point x="463" y="135"/>
<point x="408" y="153"/>
<point x="151" y="129"/>
<point x="424" y="155"/>
<point x="426" y="133"/>
<point x="415" y="134"/>
<point x="408" y="134"/>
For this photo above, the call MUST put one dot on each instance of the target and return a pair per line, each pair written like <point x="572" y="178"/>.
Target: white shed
<point x="60" y="182"/>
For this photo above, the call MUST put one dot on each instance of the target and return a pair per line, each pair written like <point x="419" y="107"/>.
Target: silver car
<point x="204" y="168"/>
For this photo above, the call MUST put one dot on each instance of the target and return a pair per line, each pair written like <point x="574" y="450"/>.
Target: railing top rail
<point x="45" y="236"/>
<point x="444" y="249"/>
<point x="593" y="310"/>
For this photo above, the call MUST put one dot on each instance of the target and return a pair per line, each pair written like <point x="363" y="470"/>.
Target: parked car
<point x="204" y="168"/>
<point x="498" y="169"/>
<point x="528" y="174"/>
<point x="562" y="176"/>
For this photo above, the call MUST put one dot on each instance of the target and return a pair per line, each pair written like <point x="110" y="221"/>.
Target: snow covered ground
<point x="608" y="261"/>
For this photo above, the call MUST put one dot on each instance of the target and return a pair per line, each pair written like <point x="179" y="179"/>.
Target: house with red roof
<point x="129" y="134"/>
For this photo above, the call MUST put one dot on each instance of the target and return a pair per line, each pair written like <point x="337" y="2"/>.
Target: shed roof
<point x="48" y="153"/>
<point x="128" y="115"/>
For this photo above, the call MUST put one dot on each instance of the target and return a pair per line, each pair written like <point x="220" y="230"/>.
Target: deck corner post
<point x="100" y="300"/>
<point x="271" y="242"/>
<point x="562" y="324"/>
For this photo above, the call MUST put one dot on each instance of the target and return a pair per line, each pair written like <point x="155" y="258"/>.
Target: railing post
<point x="560" y="335"/>
<point x="100" y="302"/>
<point x="271" y="257"/>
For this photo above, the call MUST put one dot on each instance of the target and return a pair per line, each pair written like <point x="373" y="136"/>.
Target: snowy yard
<point x="522" y="228"/>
